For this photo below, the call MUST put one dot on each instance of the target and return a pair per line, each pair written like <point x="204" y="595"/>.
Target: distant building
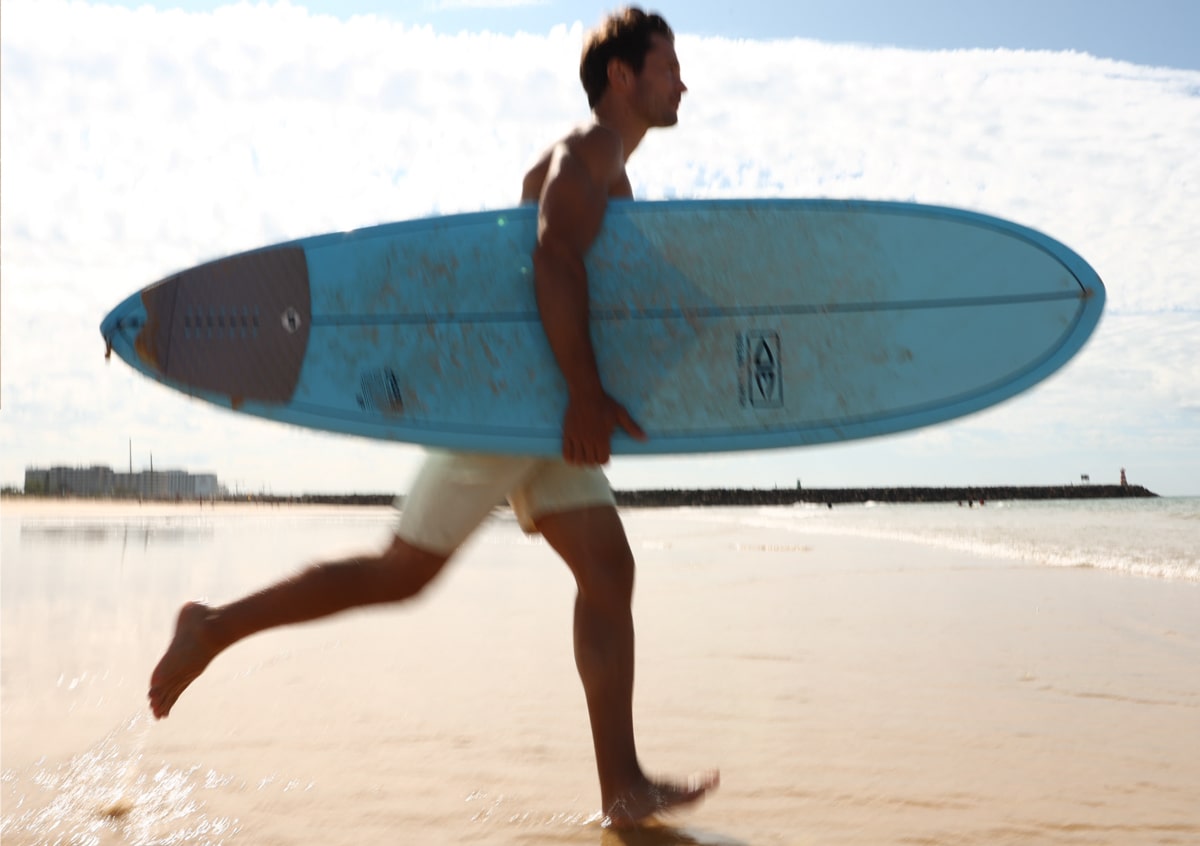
<point x="61" y="481"/>
<point x="100" y="481"/>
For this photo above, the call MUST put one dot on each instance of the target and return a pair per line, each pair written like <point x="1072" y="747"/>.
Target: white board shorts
<point x="454" y="491"/>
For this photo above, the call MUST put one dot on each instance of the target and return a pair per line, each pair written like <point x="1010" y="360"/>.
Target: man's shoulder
<point x="594" y="140"/>
<point x="599" y="150"/>
<point x="591" y="150"/>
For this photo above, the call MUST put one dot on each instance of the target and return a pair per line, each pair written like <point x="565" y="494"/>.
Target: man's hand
<point x="588" y="428"/>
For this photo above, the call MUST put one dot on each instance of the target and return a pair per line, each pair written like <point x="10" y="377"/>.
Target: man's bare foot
<point x="190" y="652"/>
<point x="653" y="798"/>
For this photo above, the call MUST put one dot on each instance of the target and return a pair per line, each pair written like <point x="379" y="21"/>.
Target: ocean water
<point x="1157" y="538"/>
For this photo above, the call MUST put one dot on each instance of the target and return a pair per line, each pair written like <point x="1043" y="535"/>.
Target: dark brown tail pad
<point x="238" y="326"/>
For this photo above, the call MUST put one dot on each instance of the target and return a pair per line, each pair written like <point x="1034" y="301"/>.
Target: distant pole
<point x="131" y="456"/>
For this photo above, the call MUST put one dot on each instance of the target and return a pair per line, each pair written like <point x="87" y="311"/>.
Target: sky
<point x="142" y="138"/>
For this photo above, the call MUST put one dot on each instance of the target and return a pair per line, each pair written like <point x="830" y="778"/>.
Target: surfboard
<point x="721" y="325"/>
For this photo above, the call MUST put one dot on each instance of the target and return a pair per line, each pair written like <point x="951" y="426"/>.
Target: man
<point x="630" y="72"/>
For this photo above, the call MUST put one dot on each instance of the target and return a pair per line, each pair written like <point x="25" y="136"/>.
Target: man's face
<point x="659" y="86"/>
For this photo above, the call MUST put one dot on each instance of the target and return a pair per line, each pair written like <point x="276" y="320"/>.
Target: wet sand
<point x="851" y="691"/>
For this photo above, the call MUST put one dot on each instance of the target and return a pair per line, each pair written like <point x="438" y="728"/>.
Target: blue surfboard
<point x="721" y="325"/>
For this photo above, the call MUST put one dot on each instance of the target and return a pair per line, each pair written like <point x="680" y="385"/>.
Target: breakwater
<point x="699" y="497"/>
<point x="669" y="498"/>
<point x="680" y="498"/>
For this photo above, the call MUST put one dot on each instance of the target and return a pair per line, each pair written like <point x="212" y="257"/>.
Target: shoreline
<point x="696" y="497"/>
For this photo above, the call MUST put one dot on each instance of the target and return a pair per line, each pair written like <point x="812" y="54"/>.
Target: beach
<point x="859" y="676"/>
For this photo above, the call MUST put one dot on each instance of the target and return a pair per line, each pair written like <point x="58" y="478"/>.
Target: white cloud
<point x="139" y="142"/>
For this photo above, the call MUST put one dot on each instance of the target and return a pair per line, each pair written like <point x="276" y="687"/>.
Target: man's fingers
<point x="589" y="443"/>
<point x="580" y="453"/>
<point x="630" y="425"/>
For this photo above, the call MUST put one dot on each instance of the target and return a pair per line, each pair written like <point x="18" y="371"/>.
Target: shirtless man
<point x="630" y="72"/>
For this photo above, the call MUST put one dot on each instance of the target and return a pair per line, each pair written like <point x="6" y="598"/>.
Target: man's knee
<point x="609" y="580"/>
<point x="592" y="542"/>
<point x="604" y="571"/>
<point x="411" y="566"/>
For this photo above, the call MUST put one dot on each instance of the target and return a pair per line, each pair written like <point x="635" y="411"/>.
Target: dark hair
<point x="625" y="35"/>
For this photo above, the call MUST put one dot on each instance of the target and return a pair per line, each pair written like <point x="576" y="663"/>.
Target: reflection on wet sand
<point x="144" y="530"/>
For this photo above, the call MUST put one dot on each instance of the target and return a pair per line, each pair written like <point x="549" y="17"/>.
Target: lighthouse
<point x="1124" y="481"/>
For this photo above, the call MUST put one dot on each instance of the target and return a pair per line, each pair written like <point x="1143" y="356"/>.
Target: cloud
<point x="138" y="142"/>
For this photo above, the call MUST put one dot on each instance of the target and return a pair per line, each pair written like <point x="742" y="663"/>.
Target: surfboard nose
<point x="120" y="326"/>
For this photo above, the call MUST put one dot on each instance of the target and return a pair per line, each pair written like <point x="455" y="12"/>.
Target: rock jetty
<point x="679" y="498"/>
<point x="671" y="498"/>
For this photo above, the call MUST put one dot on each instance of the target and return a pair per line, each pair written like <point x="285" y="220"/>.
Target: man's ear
<point x="620" y="75"/>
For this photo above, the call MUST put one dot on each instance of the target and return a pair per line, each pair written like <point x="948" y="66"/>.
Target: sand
<point x="851" y="691"/>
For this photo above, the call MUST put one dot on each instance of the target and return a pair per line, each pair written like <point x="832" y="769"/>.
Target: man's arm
<point x="570" y="211"/>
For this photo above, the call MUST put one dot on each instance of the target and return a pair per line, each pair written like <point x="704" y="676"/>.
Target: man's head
<point x="635" y="50"/>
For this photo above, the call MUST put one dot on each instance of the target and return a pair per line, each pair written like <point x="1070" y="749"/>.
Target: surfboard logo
<point x="760" y="382"/>
<point x="380" y="391"/>
<point x="291" y="320"/>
